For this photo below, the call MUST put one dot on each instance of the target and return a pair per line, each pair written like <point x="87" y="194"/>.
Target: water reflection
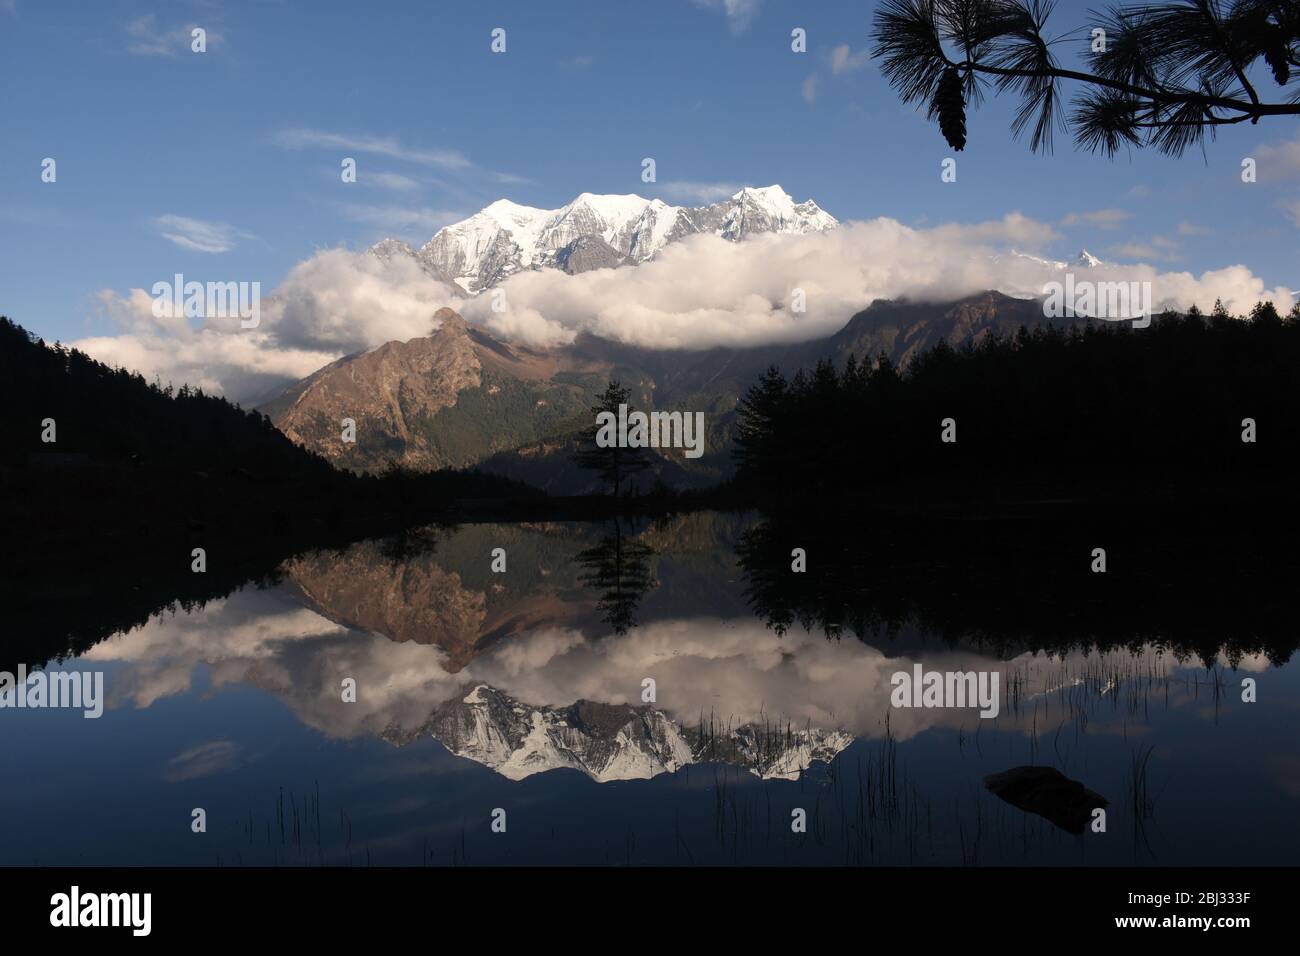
<point x="539" y="676"/>
<point x="618" y="569"/>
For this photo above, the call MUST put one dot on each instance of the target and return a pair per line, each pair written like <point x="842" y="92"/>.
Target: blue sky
<point x="235" y="153"/>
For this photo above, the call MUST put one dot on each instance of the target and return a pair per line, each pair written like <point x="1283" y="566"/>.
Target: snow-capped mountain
<point x="1084" y="260"/>
<point x="595" y="232"/>
<point x="614" y="741"/>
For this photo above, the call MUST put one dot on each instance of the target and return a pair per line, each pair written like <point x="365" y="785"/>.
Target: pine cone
<point x="1275" y="51"/>
<point x="950" y="106"/>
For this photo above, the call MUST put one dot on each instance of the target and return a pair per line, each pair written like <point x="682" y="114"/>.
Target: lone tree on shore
<point x="1161" y="75"/>
<point x="614" y="464"/>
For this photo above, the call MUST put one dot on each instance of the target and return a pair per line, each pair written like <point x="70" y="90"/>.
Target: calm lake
<point x="479" y="691"/>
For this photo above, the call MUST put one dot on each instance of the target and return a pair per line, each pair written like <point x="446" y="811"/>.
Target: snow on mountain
<point x="506" y="238"/>
<point x="613" y="741"/>
<point x="388" y="248"/>
<point x="1084" y="260"/>
<point x="769" y="209"/>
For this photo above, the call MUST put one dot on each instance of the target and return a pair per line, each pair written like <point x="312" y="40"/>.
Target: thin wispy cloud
<point x="303" y="138"/>
<point x="403" y="221"/>
<point x="199" y="235"/>
<point x="696" y="192"/>
<point x="809" y="89"/>
<point x="1102" y="218"/>
<point x="510" y="179"/>
<point x="207" y="759"/>
<point x="1192" y="229"/>
<point x="1292" y="207"/>
<point x="147" y="38"/>
<point x="1157" y="248"/>
<point x="394" y="181"/>
<point x="580" y="62"/>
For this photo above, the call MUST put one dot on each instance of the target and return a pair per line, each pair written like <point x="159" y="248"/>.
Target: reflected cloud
<point x="204" y="760"/>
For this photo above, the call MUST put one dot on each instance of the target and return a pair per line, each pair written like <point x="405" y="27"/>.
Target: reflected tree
<point x="619" y="569"/>
<point x="1013" y="586"/>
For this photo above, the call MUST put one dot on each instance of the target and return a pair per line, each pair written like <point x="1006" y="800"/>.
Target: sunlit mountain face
<point x="649" y="693"/>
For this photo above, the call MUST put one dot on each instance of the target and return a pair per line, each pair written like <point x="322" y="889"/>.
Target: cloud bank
<point x="698" y="293"/>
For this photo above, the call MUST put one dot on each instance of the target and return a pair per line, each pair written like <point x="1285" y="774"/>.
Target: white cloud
<point x="1192" y="229"/>
<point x="844" y="60"/>
<point x="700" y="292"/>
<point x="332" y="304"/>
<point x="199" y="235"/>
<point x="239" y="364"/>
<point x="739" y="13"/>
<point x="1276" y="162"/>
<point x="698" y="193"/>
<point x="148" y="39"/>
<point x="300" y="138"/>
<point x="808" y="88"/>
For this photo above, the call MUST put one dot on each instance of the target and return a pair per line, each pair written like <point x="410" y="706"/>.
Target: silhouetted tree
<point x="614" y="463"/>
<point x="1162" y="74"/>
<point x="1077" y="410"/>
<point x="755" y="447"/>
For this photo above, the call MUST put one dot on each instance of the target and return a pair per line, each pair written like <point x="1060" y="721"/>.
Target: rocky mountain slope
<point x="460" y="397"/>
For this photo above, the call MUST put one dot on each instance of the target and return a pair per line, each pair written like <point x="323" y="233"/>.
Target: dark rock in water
<point x="1049" y="793"/>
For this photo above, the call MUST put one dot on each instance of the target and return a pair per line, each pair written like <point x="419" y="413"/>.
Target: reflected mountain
<point x="543" y="667"/>
<point x="478" y="689"/>
<point x="437" y="586"/>
<point x="527" y="671"/>
<point x="613" y="742"/>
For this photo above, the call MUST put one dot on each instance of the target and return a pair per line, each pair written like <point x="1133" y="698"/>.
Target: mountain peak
<point x="450" y="322"/>
<point x="508" y="206"/>
<point x="1086" y="259"/>
<point x="764" y="192"/>
<point x="505" y="238"/>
